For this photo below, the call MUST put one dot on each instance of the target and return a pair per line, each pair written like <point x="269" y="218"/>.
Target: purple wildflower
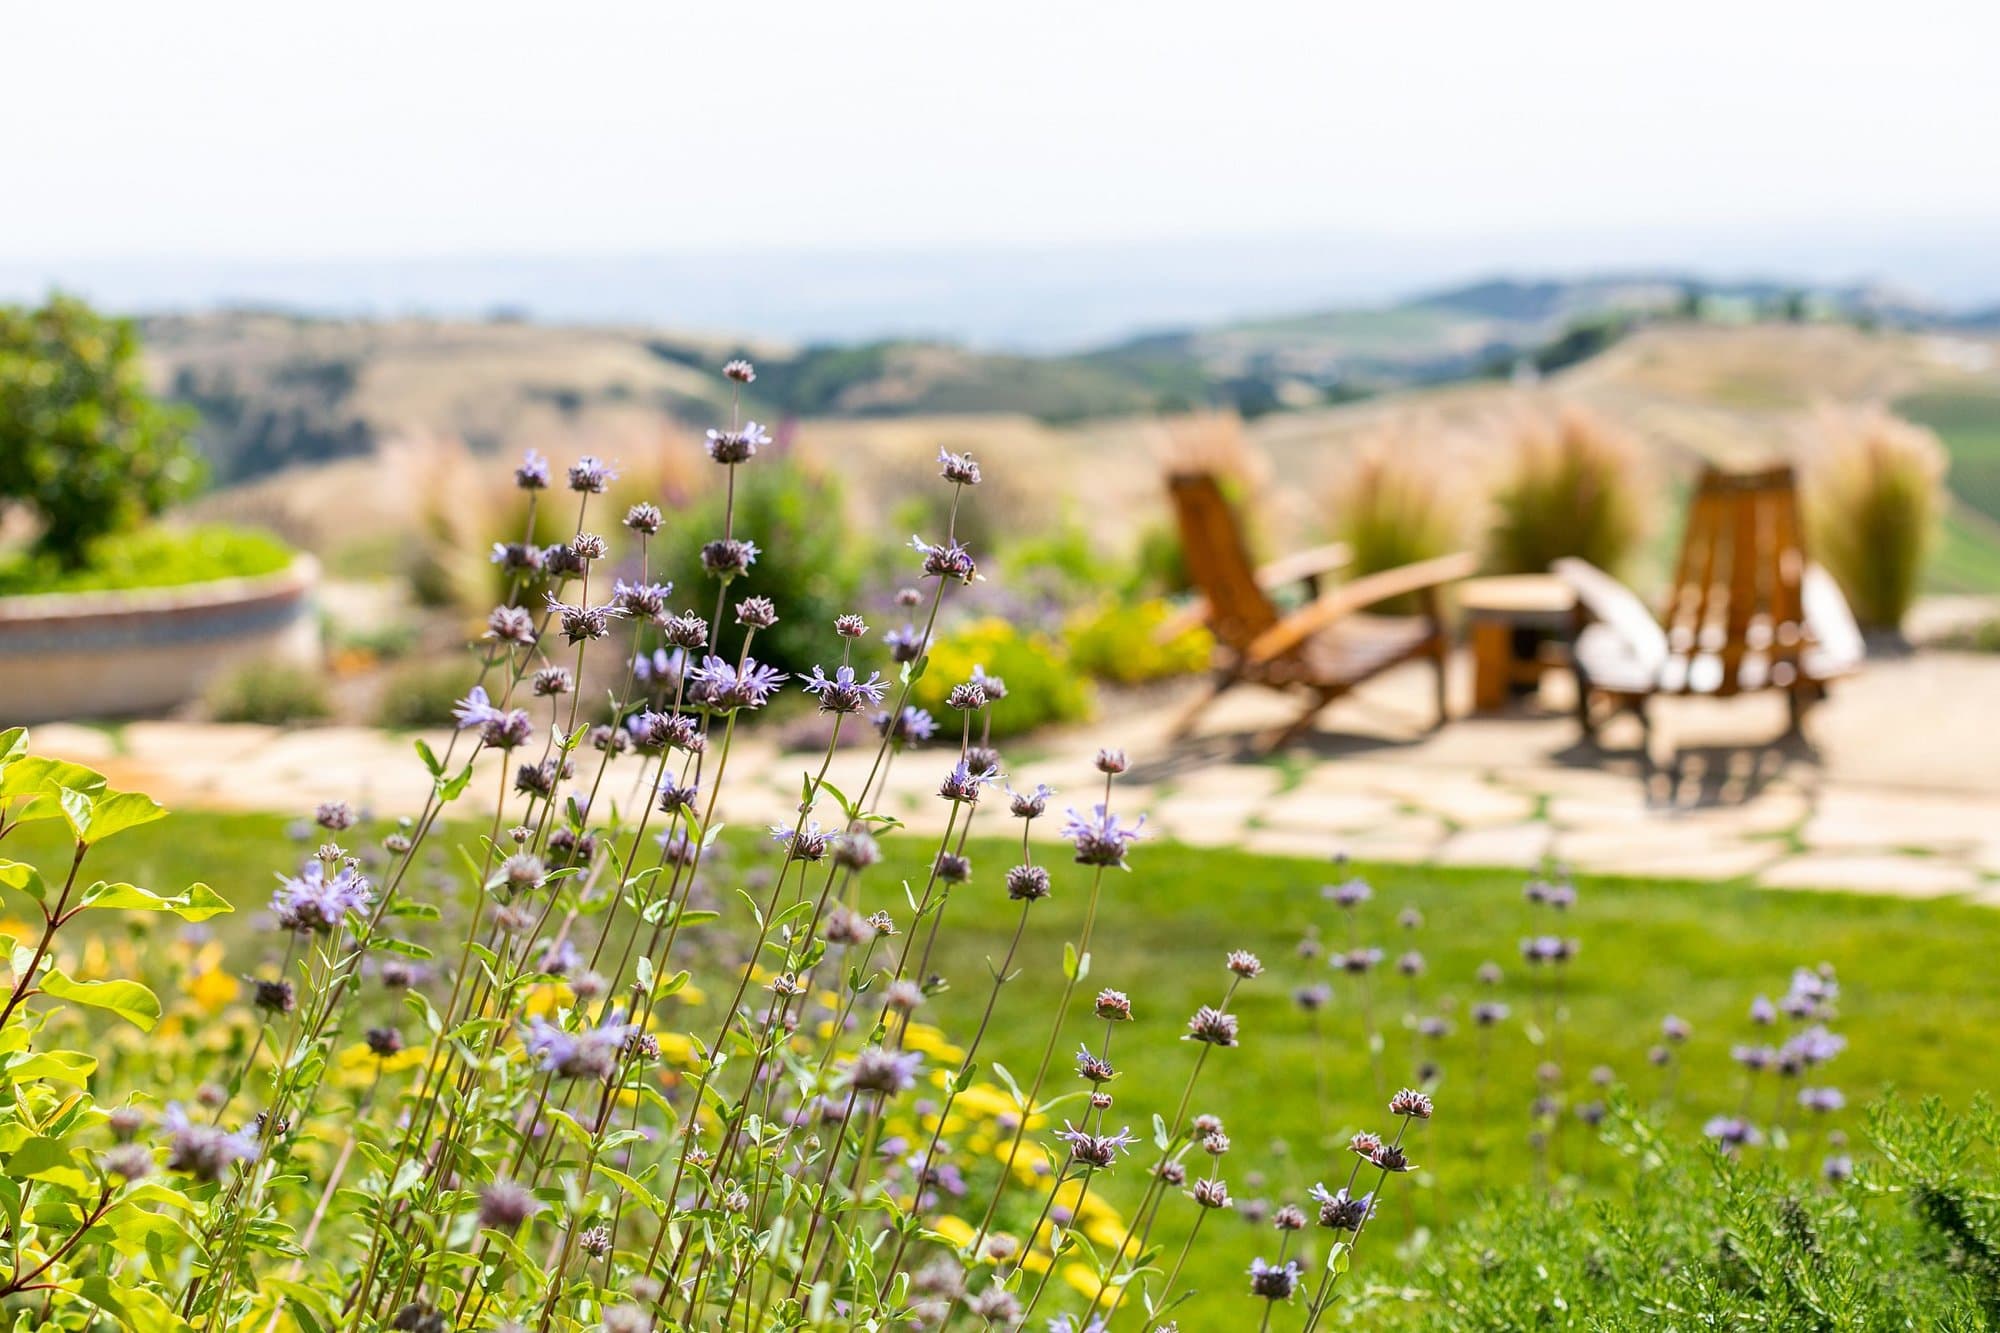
<point x="1274" y="1282"/>
<point x="311" y="901"/>
<point x="1097" y="1151"/>
<point x="962" y="784"/>
<point x="950" y="561"/>
<point x="475" y="709"/>
<point x="844" y="692"/>
<point x="880" y="1070"/>
<point x="590" y="1052"/>
<point x="725" y="687"/>
<point x="591" y="475"/>
<point x="1100" y="840"/>
<point x="533" y="474"/>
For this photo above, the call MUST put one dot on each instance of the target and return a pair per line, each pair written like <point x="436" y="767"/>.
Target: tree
<point x="82" y="442"/>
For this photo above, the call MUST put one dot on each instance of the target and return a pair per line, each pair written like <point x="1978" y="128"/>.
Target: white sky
<point x="369" y="129"/>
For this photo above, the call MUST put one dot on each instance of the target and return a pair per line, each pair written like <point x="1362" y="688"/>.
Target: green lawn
<point x="1919" y="1006"/>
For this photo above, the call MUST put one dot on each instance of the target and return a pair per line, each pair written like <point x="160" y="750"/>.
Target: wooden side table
<point x="1509" y="618"/>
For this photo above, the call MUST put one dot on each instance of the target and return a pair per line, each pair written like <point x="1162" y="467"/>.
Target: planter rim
<point x="24" y="608"/>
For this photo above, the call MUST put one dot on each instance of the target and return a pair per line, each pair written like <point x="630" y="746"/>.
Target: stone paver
<point x="1520" y="845"/>
<point x="1916" y="813"/>
<point x="1903" y="876"/>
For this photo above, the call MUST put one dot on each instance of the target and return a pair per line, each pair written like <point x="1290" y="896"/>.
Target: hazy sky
<point x="432" y="128"/>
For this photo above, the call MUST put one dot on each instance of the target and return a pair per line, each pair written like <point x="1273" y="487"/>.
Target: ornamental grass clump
<point x="1570" y="486"/>
<point x="1874" y="496"/>
<point x="554" y="1054"/>
<point x="1398" y="500"/>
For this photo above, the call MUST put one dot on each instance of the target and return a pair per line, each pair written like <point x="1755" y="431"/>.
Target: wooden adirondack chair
<point x="1747" y="610"/>
<point x="1324" y="648"/>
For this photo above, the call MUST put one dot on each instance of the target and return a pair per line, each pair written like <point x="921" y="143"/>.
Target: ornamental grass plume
<point x="1873" y="496"/>
<point x="1572" y="486"/>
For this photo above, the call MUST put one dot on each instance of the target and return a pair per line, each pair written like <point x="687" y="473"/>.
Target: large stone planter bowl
<point x="113" y="654"/>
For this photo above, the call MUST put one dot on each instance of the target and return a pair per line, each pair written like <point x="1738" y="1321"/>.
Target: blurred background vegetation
<point x="1574" y="433"/>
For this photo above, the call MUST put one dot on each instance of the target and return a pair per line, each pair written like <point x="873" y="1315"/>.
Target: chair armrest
<point x="1366" y="591"/>
<point x="1298" y="567"/>
<point x="1617" y="607"/>
<point x="1303" y="566"/>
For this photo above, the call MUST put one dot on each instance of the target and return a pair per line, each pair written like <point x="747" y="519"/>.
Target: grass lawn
<point x="1918" y="1004"/>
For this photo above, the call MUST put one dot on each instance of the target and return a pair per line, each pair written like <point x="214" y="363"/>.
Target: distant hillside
<point x="274" y="390"/>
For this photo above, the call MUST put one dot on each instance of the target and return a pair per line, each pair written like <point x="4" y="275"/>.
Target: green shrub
<point x="1060" y="564"/>
<point x="1043" y="687"/>
<point x="807" y="564"/>
<point x="153" y="557"/>
<point x="1159" y="565"/>
<point x="82" y="443"/>
<point x="270" y="692"/>
<point x="1572" y="489"/>
<point x="1117" y="641"/>
<point x="1912" y="1242"/>
<point x="1873" y="495"/>
<point x="421" y="694"/>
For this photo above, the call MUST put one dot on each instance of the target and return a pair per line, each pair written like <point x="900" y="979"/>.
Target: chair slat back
<point x="1733" y="616"/>
<point x="1218" y="560"/>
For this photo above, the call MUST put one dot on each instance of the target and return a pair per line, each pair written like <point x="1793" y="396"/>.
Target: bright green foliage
<point x="1572" y="489"/>
<point x="86" y="1243"/>
<point x="1119" y="642"/>
<point x="82" y="443"/>
<point x="1043" y="686"/>
<point x="152" y="557"/>
<point x="1913" y="1242"/>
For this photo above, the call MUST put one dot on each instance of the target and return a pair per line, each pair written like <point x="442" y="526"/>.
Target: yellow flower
<point x="955" y="1229"/>
<point x="212" y="989"/>
<point x="545" y="999"/>
<point x="357" y="1062"/>
<point x="1085" y="1280"/>
<point x="923" y="1037"/>
<point x="984" y="1100"/>
<point x="676" y="1048"/>
<point x="1108" y="1232"/>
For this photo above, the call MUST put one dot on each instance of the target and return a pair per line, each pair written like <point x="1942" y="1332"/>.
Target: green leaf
<point x="127" y="999"/>
<point x="1159" y="1132"/>
<point x="20" y="875"/>
<point x="645" y="1197"/>
<point x="452" y="789"/>
<point x="78" y="807"/>
<point x="1336" y="1258"/>
<point x="432" y="763"/>
<point x="1069" y="961"/>
<point x="42" y="780"/>
<point x="197" y="902"/>
<point x="66" y="1066"/>
<point x="138" y="1308"/>
<point x="116" y="811"/>
<point x="13" y="745"/>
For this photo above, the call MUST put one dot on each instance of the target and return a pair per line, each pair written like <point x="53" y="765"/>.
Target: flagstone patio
<point x="1897" y="789"/>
